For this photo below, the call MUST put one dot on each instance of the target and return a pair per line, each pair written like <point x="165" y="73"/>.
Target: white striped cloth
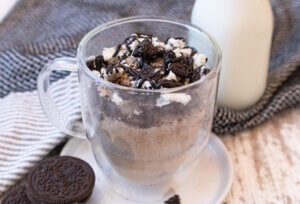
<point x="26" y="135"/>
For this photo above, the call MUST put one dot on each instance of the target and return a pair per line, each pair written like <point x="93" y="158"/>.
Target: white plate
<point x="208" y="183"/>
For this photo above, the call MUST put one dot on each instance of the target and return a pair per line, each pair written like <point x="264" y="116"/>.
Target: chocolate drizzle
<point x="150" y="63"/>
<point x="118" y="48"/>
<point x="130" y="71"/>
<point x="128" y="41"/>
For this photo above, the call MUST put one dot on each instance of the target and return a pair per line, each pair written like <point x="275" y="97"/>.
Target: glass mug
<point x="143" y="140"/>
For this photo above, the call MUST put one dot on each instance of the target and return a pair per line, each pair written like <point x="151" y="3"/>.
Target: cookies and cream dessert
<point x="147" y="135"/>
<point x="145" y="62"/>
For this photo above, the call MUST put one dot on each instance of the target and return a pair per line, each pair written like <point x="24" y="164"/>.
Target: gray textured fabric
<point x="38" y="31"/>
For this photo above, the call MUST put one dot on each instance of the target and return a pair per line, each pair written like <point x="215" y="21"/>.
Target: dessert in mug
<point x="146" y="132"/>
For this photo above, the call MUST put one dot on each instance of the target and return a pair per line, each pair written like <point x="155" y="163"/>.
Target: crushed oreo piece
<point x="99" y="62"/>
<point x="196" y="74"/>
<point x="173" y="200"/>
<point x="180" y="69"/>
<point x="169" y="83"/>
<point x="142" y="61"/>
<point x="90" y="64"/>
<point x="205" y="71"/>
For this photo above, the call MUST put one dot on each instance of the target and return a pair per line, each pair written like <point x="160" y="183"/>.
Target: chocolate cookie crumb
<point x="173" y="200"/>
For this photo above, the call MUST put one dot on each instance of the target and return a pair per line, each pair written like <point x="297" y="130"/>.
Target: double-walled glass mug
<point x="141" y="139"/>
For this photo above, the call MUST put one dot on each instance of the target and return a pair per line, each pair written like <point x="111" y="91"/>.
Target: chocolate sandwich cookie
<point x="17" y="196"/>
<point x="61" y="179"/>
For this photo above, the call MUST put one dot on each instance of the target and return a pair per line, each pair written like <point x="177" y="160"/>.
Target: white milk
<point x="243" y="29"/>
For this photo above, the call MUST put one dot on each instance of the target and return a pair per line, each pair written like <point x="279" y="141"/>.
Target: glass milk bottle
<point x="243" y="29"/>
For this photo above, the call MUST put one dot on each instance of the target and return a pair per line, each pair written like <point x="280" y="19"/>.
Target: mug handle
<point x="73" y="128"/>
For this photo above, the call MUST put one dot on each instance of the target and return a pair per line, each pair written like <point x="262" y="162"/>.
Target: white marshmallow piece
<point x="199" y="60"/>
<point x="146" y="85"/>
<point x="177" y="52"/>
<point x="171" y="76"/>
<point x="172" y="43"/>
<point x="186" y="52"/>
<point x="157" y="43"/>
<point x="108" y="53"/>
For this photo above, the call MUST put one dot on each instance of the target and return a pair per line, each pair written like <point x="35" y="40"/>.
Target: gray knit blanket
<point x="38" y="31"/>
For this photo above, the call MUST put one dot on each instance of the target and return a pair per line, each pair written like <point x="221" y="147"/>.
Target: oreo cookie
<point x="17" y="196"/>
<point x="61" y="179"/>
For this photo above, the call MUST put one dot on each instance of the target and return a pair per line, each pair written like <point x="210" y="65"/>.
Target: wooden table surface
<point x="266" y="161"/>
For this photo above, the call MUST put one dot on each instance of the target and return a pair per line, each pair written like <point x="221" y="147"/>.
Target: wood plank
<point x="266" y="161"/>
